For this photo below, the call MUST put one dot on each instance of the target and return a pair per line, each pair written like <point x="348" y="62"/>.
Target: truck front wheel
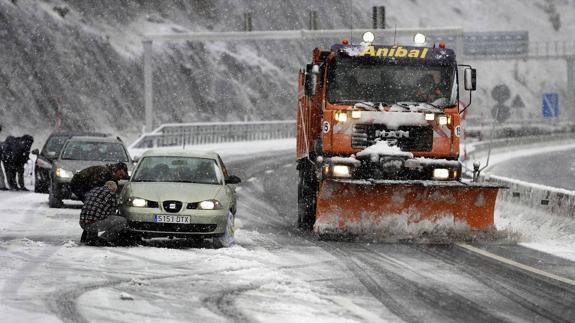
<point x="306" y="197"/>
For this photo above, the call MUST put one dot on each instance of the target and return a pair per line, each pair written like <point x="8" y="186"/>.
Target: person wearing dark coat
<point x="2" y="177"/>
<point x="96" y="176"/>
<point x="9" y="152"/>
<point x="21" y="157"/>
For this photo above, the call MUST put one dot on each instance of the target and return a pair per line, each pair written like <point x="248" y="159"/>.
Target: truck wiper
<point x="406" y="104"/>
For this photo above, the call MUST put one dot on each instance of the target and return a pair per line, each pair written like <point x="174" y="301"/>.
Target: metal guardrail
<point x="185" y="134"/>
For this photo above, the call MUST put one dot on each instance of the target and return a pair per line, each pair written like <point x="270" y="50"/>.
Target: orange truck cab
<point x="385" y="114"/>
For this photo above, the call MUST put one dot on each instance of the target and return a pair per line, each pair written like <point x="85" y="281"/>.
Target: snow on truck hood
<point x="185" y="192"/>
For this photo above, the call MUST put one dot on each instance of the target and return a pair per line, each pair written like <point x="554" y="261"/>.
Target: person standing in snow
<point x="99" y="213"/>
<point x="21" y="157"/>
<point x="2" y="177"/>
<point x="9" y="149"/>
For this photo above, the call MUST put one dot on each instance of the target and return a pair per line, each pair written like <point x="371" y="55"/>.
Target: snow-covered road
<point x="275" y="272"/>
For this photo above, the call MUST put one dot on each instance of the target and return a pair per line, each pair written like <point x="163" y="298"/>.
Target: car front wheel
<point x="54" y="201"/>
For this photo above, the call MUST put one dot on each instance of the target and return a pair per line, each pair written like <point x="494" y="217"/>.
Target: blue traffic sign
<point x="550" y="105"/>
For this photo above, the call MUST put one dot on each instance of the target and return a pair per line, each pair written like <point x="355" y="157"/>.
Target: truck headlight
<point x="355" y="114"/>
<point x="429" y="116"/>
<point x="341" y="171"/>
<point x="341" y="116"/>
<point x="210" y="205"/>
<point x="62" y="173"/>
<point x="440" y="173"/>
<point x="442" y="120"/>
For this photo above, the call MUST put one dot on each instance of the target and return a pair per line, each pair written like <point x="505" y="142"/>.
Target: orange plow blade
<point x="403" y="207"/>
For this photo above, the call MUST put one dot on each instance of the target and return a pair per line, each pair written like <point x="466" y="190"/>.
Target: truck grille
<point x="409" y="138"/>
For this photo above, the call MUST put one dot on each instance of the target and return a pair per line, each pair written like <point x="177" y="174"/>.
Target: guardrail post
<point x="248" y="21"/>
<point x="571" y="83"/>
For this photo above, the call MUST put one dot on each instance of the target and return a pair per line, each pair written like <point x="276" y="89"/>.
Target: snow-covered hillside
<point x="85" y="57"/>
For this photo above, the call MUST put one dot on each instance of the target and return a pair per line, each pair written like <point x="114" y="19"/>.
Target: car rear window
<point x="179" y="170"/>
<point x="95" y="151"/>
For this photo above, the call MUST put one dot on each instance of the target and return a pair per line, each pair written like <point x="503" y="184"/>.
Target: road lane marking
<point x="516" y="264"/>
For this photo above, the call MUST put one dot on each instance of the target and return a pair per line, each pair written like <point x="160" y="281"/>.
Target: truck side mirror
<point x="470" y="79"/>
<point x="35" y="152"/>
<point x="310" y="80"/>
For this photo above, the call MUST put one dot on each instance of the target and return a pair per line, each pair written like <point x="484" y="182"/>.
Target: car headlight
<point x="210" y="205"/>
<point x="137" y="202"/>
<point x="60" y="172"/>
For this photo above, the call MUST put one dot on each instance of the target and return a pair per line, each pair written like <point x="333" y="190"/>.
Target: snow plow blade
<point x="403" y="207"/>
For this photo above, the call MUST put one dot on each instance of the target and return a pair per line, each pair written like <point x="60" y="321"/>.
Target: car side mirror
<point x="233" y="180"/>
<point x="35" y="152"/>
<point x="136" y="159"/>
<point x="470" y="79"/>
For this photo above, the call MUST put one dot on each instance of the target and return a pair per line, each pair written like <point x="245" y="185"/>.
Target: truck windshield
<point x="352" y="81"/>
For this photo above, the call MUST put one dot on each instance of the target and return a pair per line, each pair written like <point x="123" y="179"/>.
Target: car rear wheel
<point x="54" y="201"/>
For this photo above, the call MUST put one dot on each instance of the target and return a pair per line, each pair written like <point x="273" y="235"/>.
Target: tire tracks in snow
<point x="529" y="291"/>
<point x="63" y="302"/>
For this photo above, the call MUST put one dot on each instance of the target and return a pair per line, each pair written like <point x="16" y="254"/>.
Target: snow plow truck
<point x="378" y="134"/>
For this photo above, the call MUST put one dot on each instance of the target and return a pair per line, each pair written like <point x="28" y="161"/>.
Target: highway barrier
<point x="187" y="134"/>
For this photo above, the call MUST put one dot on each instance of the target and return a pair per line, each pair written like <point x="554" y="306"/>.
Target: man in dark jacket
<point x="2" y="178"/>
<point x="95" y="176"/>
<point x="21" y="157"/>
<point x="99" y="213"/>
<point x="9" y="160"/>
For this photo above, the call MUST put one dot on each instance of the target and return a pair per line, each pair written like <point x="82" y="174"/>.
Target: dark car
<point x="79" y="153"/>
<point x="49" y="152"/>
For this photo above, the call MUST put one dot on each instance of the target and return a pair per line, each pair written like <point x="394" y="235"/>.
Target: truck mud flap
<point x="403" y="207"/>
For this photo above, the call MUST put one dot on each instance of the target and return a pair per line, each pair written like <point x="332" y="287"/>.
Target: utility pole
<point x="378" y="17"/>
<point x="148" y="103"/>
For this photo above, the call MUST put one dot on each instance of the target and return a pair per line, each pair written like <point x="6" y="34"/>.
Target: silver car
<point x="180" y="194"/>
<point x="78" y="153"/>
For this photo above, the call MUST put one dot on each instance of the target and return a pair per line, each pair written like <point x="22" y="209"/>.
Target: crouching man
<point x="99" y="213"/>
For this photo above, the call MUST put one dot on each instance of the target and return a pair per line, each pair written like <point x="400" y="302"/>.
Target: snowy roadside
<point x="538" y="230"/>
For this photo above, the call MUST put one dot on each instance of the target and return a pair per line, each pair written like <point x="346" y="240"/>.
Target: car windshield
<point x="178" y="169"/>
<point x="353" y="81"/>
<point x="94" y="151"/>
<point x="54" y="145"/>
